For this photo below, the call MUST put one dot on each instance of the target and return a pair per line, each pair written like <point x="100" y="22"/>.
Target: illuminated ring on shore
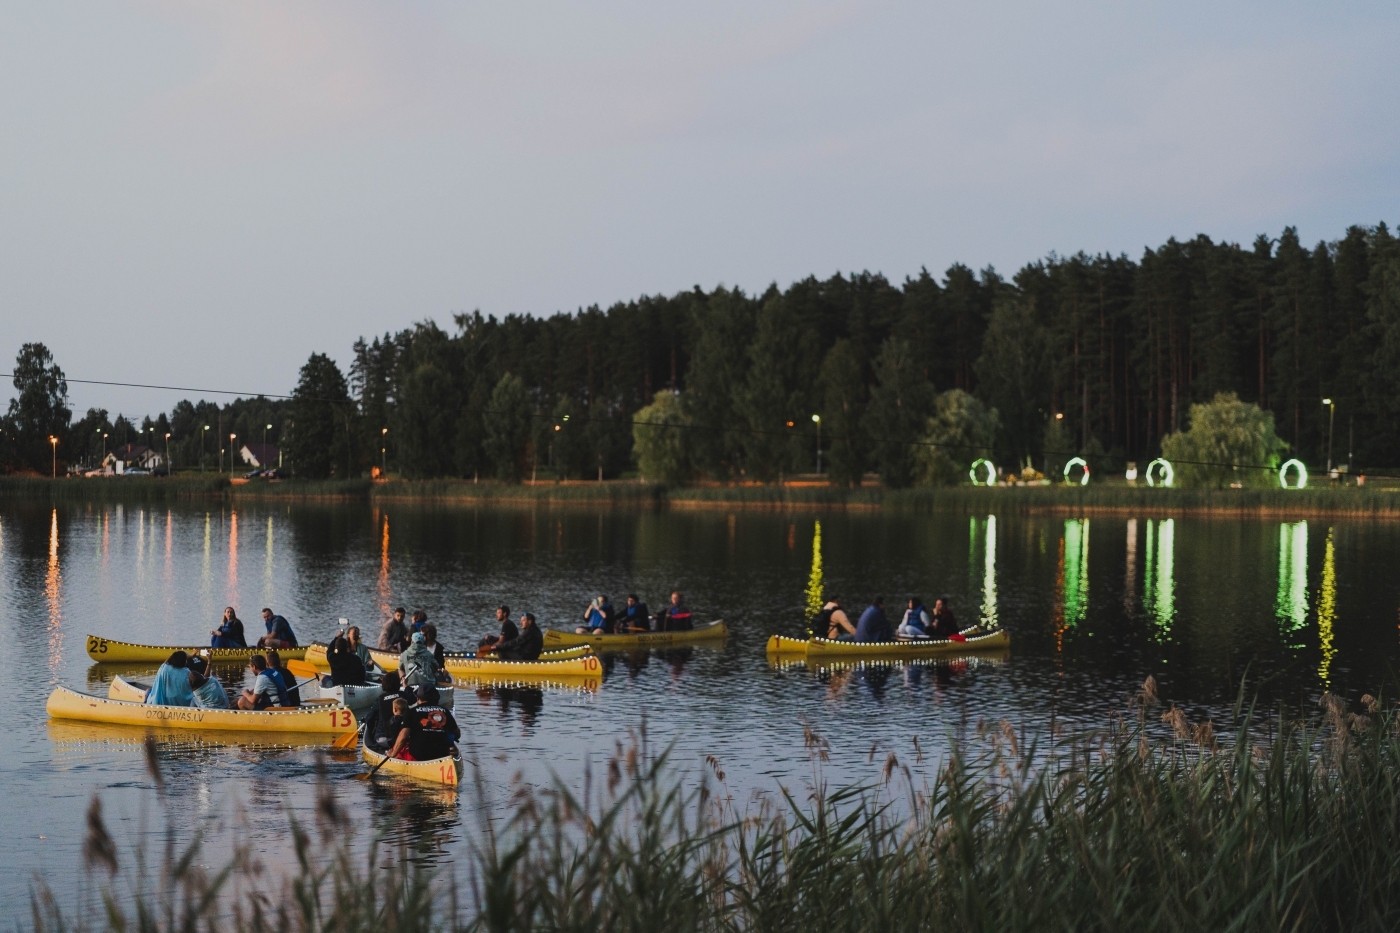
<point x="1078" y="462"/>
<point x="1168" y="474"/>
<point x="1302" y="475"/>
<point x="991" y="472"/>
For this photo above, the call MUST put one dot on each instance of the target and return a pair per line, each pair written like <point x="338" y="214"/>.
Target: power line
<point x="750" y="431"/>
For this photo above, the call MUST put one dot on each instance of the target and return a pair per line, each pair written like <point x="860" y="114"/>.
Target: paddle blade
<point x="348" y="740"/>
<point x="302" y="669"/>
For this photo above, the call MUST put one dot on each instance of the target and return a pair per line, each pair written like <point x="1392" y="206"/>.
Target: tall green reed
<point x="1150" y="824"/>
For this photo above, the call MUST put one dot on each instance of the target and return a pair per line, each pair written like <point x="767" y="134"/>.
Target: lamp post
<point x="168" y="466"/>
<point x="1331" y="419"/>
<point x="54" y="441"/>
<point x="384" y="451"/>
<point x="231" y="439"/>
<point x="817" y="420"/>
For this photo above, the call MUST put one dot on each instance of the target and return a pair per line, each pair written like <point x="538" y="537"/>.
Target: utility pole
<point x="1331" y="419"/>
<point x="817" y="420"/>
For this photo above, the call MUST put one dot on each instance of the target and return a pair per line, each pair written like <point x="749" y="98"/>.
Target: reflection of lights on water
<point x="1159" y="578"/>
<point x="267" y="565"/>
<point x="384" y="592"/>
<point x="53" y="596"/>
<point x="1327" y="611"/>
<point x="233" y="558"/>
<point x="989" y="572"/>
<point x="814" y="579"/>
<point x="1076" y="571"/>
<point x="1291" y="604"/>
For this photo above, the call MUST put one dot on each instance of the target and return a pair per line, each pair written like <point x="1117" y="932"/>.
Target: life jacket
<point x="678" y="619"/>
<point x="820" y="626"/>
<point x="915" y="618"/>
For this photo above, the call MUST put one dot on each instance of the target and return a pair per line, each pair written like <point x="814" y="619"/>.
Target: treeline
<point x="1098" y="355"/>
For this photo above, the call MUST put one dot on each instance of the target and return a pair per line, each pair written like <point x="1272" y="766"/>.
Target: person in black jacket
<point x="347" y="670"/>
<point x="524" y="647"/>
<point x="377" y="732"/>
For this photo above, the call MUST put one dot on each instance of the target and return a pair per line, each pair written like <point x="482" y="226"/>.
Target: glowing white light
<point x="1164" y="468"/>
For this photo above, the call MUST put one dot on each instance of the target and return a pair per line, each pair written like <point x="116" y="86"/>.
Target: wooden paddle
<point x="349" y="739"/>
<point x="370" y="775"/>
<point x="302" y="668"/>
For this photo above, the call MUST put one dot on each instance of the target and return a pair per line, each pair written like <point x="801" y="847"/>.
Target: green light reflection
<point x="1076" y="570"/>
<point x="989" y="573"/>
<point x="814" y="580"/>
<point x="1291" y="604"/>
<point x="1159" y="577"/>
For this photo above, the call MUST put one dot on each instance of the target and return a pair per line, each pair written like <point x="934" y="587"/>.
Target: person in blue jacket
<point x="172" y="683"/>
<point x="279" y="632"/>
<point x="873" y="624"/>
<point x="229" y="634"/>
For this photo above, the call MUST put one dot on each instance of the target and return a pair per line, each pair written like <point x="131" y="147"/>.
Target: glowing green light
<point x="1078" y="462"/>
<point x="1164" y="468"/>
<point x="1302" y="475"/>
<point x="991" y="472"/>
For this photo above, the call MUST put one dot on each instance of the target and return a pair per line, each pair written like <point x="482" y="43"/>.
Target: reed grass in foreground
<point x="1107" y="832"/>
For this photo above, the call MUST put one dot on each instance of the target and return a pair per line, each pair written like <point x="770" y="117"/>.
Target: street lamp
<point x="1331" y="419"/>
<point x="202" y="432"/>
<point x="167" y="453"/>
<point x="266" y="428"/>
<point x="231" y="439"/>
<point x="384" y="450"/>
<point x="817" y="420"/>
<point x="54" y="441"/>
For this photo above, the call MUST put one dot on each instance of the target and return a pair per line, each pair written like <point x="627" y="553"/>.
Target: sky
<point x="202" y="194"/>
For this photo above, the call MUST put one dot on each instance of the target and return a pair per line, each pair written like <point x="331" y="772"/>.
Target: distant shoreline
<point x="1100" y="500"/>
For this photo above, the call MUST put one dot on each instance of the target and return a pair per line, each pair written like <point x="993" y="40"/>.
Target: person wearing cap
<point x="425" y="730"/>
<point x="209" y="693"/>
<point x="417" y="664"/>
<point x="523" y="647"/>
<point x="172" y="684"/>
<point x="379" y="734"/>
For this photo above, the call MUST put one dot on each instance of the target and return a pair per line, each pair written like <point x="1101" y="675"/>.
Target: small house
<point x="261" y="456"/>
<point x="132" y="457"/>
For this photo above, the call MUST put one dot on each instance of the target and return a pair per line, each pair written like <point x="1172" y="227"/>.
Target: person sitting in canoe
<point x="436" y="647"/>
<point x="394" y="635"/>
<point x="832" y="621"/>
<point x="347" y="670"/>
<point x="873" y="624"/>
<point x="417" y="665"/>
<point x="675" y="617"/>
<point x="279" y="632"/>
<point x="916" y="622"/>
<point x="172" y="684"/>
<point x="426" y="730"/>
<point x="420" y="619"/>
<point x="634" y="618"/>
<point x="508" y="632"/>
<point x="523" y="647"/>
<point x="352" y="635"/>
<point x="264" y="692"/>
<point x="290" y="693"/>
<point x="598" y="618"/>
<point x="944" y="624"/>
<point x="209" y="693"/>
<point x="229" y="634"/>
<point x="378" y="733"/>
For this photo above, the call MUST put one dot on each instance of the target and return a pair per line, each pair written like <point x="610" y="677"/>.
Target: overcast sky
<point x="202" y="194"/>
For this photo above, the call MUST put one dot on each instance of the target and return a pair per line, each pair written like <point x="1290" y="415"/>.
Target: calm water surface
<point x="1093" y="606"/>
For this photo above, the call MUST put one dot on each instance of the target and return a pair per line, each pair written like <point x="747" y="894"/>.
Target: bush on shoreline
<point x="1141" y="826"/>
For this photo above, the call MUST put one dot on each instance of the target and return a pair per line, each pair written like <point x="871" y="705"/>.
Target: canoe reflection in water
<point x="530" y="700"/>
<point x="419" y="819"/>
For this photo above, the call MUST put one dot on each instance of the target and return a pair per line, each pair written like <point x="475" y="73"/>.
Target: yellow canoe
<point x="820" y="648"/>
<point x="70" y="704"/>
<point x="585" y="665"/>
<point x="121" y="652"/>
<point x="388" y="661"/>
<point x="714" y="631"/>
<point x="446" y="771"/>
<point x="122" y="689"/>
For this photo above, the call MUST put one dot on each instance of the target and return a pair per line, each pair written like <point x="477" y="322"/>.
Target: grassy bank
<point x="1100" y="499"/>
<point x="1143" y="827"/>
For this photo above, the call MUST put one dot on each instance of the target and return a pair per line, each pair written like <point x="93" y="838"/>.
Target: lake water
<point x="1092" y="605"/>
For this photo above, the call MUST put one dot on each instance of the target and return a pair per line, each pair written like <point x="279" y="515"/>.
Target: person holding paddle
<point x="425" y="730"/>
